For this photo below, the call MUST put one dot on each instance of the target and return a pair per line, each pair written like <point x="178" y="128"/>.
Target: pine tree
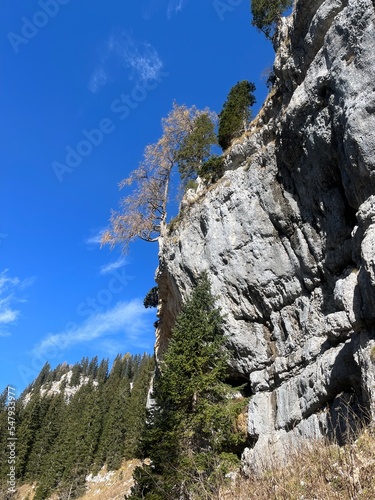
<point x="85" y="365"/>
<point x="236" y="113"/>
<point x="112" y="439"/>
<point x="41" y="461"/>
<point x="50" y="417"/>
<point x="191" y="436"/>
<point x="27" y="429"/>
<point x="196" y="147"/>
<point x="266" y="14"/>
<point x="78" y="441"/>
<point x="61" y="440"/>
<point x="42" y="377"/>
<point x="136" y="408"/>
<point x="102" y="374"/>
<point x="59" y="371"/>
<point x="92" y="369"/>
<point x="76" y="375"/>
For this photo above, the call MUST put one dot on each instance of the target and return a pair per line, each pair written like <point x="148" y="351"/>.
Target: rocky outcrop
<point x="287" y="236"/>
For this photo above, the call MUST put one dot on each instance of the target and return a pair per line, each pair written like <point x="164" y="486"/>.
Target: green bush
<point x="191" y="184"/>
<point x="152" y="298"/>
<point x="212" y="169"/>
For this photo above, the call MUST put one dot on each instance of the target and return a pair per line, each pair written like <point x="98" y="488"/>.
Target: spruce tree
<point x="113" y="436"/>
<point x="61" y="440"/>
<point x="236" y="113"/>
<point x="79" y="439"/>
<point x="190" y="437"/>
<point x="50" y="416"/>
<point x="93" y="368"/>
<point x="42" y="463"/>
<point x="75" y="379"/>
<point x="136" y="408"/>
<point x="28" y="428"/>
<point x="102" y="374"/>
<point x="42" y="377"/>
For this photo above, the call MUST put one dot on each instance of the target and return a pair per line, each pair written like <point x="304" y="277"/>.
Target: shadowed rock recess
<point x="287" y="236"/>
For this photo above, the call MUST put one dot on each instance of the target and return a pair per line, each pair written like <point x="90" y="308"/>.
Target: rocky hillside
<point x="287" y="235"/>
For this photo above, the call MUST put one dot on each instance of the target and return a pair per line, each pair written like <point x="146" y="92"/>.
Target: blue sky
<point x="83" y="87"/>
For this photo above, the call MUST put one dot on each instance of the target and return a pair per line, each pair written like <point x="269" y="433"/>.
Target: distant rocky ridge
<point x="55" y="387"/>
<point x="287" y="236"/>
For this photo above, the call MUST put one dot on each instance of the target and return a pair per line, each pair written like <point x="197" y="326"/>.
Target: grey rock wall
<point x="288" y="236"/>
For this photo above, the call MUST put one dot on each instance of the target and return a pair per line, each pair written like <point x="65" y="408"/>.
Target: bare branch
<point x="143" y="212"/>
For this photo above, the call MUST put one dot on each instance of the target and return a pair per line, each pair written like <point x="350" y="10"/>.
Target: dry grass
<point x="318" y="472"/>
<point x="116" y="486"/>
<point x="112" y="486"/>
<point x="26" y="491"/>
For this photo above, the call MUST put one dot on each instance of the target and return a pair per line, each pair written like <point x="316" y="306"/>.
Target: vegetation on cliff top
<point x="187" y="142"/>
<point x="236" y="113"/>
<point x="266" y="14"/>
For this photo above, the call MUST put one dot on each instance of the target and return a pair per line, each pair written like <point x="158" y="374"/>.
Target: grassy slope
<point x="106" y="486"/>
<point x="319" y="472"/>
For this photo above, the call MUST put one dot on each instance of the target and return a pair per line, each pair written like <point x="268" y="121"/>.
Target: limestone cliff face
<point x="288" y="234"/>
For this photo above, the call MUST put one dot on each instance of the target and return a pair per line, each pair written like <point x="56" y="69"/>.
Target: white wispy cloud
<point x="122" y="50"/>
<point x="128" y="319"/>
<point x="112" y="266"/>
<point x="98" y="79"/>
<point x="8" y="316"/>
<point x="111" y="347"/>
<point x="140" y="56"/>
<point x="9" y="288"/>
<point x="174" y="7"/>
<point x="95" y="238"/>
